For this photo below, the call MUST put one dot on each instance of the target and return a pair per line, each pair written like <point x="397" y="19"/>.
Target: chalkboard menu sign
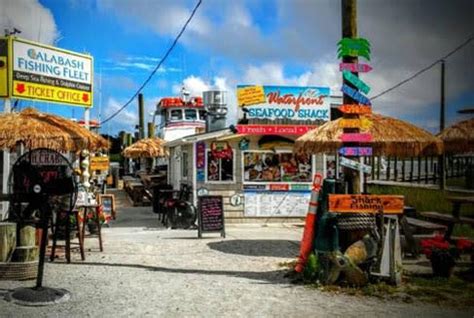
<point x="211" y="215"/>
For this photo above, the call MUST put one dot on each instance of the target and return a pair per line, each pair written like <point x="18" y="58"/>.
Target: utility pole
<point x="442" y="158"/>
<point x="151" y="129"/>
<point x="349" y="30"/>
<point x="141" y="117"/>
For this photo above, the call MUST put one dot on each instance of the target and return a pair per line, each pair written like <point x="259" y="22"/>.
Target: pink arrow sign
<point x="355" y="67"/>
<point x="356" y="137"/>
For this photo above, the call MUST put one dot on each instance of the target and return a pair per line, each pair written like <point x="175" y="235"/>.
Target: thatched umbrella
<point x="390" y="137"/>
<point x="40" y="130"/>
<point x="146" y="148"/>
<point x="459" y="138"/>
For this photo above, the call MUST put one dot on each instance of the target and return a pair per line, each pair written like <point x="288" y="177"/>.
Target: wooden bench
<point x="425" y="227"/>
<point x="446" y="218"/>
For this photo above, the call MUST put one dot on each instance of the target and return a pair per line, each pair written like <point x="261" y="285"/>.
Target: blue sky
<point x="279" y="42"/>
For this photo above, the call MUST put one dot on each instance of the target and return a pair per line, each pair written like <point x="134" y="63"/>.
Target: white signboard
<point x="47" y="73"/>
<point x="274" y="204"/>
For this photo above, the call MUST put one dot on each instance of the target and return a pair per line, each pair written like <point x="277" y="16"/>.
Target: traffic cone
<point x="306" y="245"/>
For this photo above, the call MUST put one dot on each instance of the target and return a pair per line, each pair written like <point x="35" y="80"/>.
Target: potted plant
<point x="443" y="255"/>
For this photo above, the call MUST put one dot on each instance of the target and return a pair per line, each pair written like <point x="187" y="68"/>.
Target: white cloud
<point x="35" y="22"/>
<point x="322" y="73"/>
<point x="125" y="120"/>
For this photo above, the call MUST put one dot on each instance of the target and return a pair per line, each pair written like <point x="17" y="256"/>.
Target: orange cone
<point x="310" y="225"/>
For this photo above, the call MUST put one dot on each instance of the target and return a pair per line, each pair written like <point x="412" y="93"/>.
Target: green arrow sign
<point x="357" y="82"/>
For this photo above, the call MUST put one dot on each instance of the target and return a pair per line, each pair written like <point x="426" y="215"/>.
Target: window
<point x="184" y="165"/>
<point x="202" y="115"/>
<point x="277" y="167"/>
<point x="176" y="114"/>
<point x="190" y="114"/>
<point x="219" y="169"/>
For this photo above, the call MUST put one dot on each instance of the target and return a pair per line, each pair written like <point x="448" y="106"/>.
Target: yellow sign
<point x="50" y="93"/>
<point x="362" y="123"/>
<point x="41" y="72"/>
<point x="99" y="163"/>
<point x="250" y="95"/>
<point x="3" y="67"/>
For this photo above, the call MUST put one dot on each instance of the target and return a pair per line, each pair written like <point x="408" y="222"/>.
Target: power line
<point x="426" y="68"/>
<point x="163" y="59"/>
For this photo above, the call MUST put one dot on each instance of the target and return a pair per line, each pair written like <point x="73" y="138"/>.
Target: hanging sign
<point x="355" y="67"/>
<point x="289" y="102"/>
<point x="356" y="137"/>
<point x="360" y="203"/>
<point x="357" y="82"/>
<point x="354" y="47"/>
<point x="363" y="123"/>
<point x="355" y="151"/>
<point x="355" y="95"/>
<point x="99" y="163"/>
<point x="200" y="155"/>
<point x="221" y="150"/>
<point x="355" y="109"/>
<point x="250" y="95"/>
<point x="352" y="164"/>
<point x="46" y="73"/>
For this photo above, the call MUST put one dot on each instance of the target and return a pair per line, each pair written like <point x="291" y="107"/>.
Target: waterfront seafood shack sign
<point x="50" y="74"/>
<point x="285" y="102"/>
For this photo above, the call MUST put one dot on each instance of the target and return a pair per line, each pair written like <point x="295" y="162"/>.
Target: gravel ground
<point x="148" y="271"/>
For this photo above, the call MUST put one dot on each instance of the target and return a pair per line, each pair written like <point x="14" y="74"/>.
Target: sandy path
<point x="147" y="271"/>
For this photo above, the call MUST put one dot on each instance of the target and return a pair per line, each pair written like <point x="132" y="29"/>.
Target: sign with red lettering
<point x="273" y="129"/>
<point x="361" y="203"/>
<point x="46" y="73"/>
<point x="355" y="67"/>
<point x="355" y="109"/>
<point x="356" y="137"/>
<point x="355" y="151"/>
<point x="287" y="102"/>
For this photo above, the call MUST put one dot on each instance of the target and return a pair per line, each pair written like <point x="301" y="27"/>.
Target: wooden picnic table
<point x="457" y="202"/>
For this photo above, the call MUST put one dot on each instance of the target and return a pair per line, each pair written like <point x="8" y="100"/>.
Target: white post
<point x="87" y="115"/>
<point x="6" y="166"/>
<point x="361" y="174"/>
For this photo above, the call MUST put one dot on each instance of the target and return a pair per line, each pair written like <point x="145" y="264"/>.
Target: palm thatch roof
<point x="459" y="138"/>
<point x="40" y="130"/>
<point x="146" y="148"/>
<point x="390" y="137"/>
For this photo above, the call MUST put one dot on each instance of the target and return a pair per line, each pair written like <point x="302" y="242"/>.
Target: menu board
<point x="274" y="204"/>
<point x="211" y="214"/>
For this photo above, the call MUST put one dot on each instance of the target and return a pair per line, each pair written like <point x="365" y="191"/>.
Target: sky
<point x="267" y="42"/>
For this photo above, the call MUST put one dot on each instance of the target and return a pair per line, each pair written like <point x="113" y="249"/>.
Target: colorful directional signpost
<point x="356" y="137"/>
<point x="357" y="82"/>
<point x="355" y="67"/>
<point x="354" y="165"/>
<point x="354" y="47"/>
<point x="355" y="109"/>
<point x="355" y="95"/>
<point x="361" y="123"/>
<point x="355" y="151"/>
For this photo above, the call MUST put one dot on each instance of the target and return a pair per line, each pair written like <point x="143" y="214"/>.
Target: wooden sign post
<point x="360" y="203"/>
<point x="355" y="165"/>
<point x="211" y="215"/>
